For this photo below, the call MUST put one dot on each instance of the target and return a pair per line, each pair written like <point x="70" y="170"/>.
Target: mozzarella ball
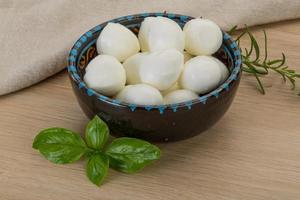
<point x="224" y="70"/>
<point x="187" y="56"/>
<point x="201" y="74"/>
<point x="161" y="69"/>
<point x="179" y="96"/>
<point x="131" y="66"/>
<point x="202" y="37"/>
<point x="160" y="33"/>
<point x="105" y="74"/>
<point x="118" y="41"/>
<point x="140" y="94"/>
<point x="174" y="87"/>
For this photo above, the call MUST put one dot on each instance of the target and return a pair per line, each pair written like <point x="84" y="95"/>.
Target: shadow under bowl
<point x="154" y="123"/>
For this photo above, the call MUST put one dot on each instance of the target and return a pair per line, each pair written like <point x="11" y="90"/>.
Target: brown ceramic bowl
<point x="155" y="123"/>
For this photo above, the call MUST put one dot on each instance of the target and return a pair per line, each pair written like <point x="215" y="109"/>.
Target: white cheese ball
<point x="179" y="96"/>
<point x="140" y="94"/>
<point x="202" y="37"/>
<point x="105" y="74"/>
<point x="201" y="74"/>
<point x="161" y="69"/>
<point x="160" y="33"/>
<point x="131" y="66"/>
<point x="224" y="70"/>
<point x="118" y="41"/>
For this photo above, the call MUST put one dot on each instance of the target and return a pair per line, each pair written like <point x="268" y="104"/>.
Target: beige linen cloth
<point x="36" y="35"/>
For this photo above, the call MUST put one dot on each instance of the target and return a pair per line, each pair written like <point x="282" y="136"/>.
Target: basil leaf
<point x="59" y="145"/>
<point x="130" y="154"/>
<point x="97" y="168"/>
<point x="96" y="133"/>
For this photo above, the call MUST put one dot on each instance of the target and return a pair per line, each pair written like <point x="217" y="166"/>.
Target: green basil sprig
<point x="62" y="146"/>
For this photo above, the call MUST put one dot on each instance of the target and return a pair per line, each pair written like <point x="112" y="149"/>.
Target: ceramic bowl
<point x="155" y="123"/>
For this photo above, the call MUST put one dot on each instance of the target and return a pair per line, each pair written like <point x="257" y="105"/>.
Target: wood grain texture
<point x="253" y="153"/>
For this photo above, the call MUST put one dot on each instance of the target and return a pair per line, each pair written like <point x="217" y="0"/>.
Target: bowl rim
<point x="225" y="86"/>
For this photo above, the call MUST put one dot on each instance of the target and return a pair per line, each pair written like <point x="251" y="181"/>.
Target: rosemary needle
<point x="256" y="65"/>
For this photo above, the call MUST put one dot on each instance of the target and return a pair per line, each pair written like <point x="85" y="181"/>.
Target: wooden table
<point x="252" y="153"/>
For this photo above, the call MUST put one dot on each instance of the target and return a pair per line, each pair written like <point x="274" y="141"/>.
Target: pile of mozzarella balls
<point x="163" y="65"/>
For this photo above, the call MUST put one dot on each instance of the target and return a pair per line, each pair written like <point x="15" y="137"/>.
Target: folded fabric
<point x="35" y="35"/>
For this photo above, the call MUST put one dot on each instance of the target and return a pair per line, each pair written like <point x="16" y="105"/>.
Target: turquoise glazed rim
<point x="89" y="38"/>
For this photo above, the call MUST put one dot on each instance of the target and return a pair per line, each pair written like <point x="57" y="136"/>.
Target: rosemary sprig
<point x="258" y="66"/>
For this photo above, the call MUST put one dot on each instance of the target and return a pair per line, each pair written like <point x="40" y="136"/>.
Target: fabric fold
<point x="35" y="35"/>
